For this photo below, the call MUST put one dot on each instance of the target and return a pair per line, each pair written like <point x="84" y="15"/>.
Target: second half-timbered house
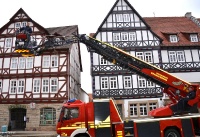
<point x="169" y="43"/>
<point x="32" y="89"/>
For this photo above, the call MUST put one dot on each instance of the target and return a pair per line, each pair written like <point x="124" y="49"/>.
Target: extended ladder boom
<point x="171" y="83"/>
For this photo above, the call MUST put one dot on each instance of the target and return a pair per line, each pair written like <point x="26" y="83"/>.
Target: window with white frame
<point x="45" y="85"/>
<point x="141" y="82"/>
<point x="127" y="82"/>
<point x="176" y="56"/>
<point x="17" y="25"/>
<point x="133" y="110"/>
<point x="102" y="61"/>
<point x="8" y="42"/>
<point x="119" y="17"/>
<point x="29" y="62"/>
<point x="21" y="63"/>
<point x="23" y="24"/>
<point x="104" y="82"/>
<point x="13" y="86"/>
<point x="132" y="36"/>
<point x="54" y="85"/>
<point x="54" y="61"/>
<point x="146" y="56"/>
<point x="180" y="56"/>
<point x="46" y="61"/>
<point x="143" y="109"/>
<point x="14" y="63"/>
<point x="116" y="36"/>
<point x="113" y="82"/>
<point x="193" y="38"/>
<point x="173" y="38"/>
<point x="152" y="105"/>
<point x="36" y="85"/>
<point x="124" y="36"/>
<point x="150" y="84"/>
<point x="20" y="86"/>
<point x="172" y="56"/>
<point x="126" y="17"/>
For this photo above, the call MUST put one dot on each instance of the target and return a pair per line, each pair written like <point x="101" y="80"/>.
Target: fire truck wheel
<point x="172" y="133"/>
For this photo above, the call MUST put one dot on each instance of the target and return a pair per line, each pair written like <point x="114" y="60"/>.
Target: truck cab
<point x="94" y="119"/>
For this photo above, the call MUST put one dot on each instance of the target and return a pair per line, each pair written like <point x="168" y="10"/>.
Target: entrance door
<point x="17" y="119"/>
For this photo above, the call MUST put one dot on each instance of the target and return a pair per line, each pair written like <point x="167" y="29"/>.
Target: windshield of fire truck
<point x="71" y="113"/>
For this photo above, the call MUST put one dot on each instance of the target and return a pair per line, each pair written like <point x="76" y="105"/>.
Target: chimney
<point x="188" y="14"/>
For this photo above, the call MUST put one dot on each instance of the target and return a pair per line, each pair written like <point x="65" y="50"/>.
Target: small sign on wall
<point x="32" y="105"/>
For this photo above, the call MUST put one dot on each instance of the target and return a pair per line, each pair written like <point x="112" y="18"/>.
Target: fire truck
<point x="100" y="118"/>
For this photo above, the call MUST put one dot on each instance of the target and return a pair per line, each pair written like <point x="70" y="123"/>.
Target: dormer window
<point x="193" y="38"/>
<point x="173" y="38"/>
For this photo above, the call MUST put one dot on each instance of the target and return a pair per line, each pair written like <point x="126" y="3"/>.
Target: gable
<point x="19" y="19"/>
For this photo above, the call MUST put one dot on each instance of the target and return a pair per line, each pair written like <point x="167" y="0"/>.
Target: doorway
<point x="17" y="119"/>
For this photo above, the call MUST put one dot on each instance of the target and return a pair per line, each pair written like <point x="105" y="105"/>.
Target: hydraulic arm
<point x="174" y="87"/>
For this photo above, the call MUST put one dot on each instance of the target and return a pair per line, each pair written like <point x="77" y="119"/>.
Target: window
<point x="116" y="36"/>
<point x="71" y="113"/>
<point x="152" y="106"/>
<point x="8" y="42"/>
<point x="104" y="82"/>
<point x="127" y="82"/>
<point x="17" y="25"/>
<point x="54" y="85"/>
<point x="132" y="36"/>
<point x="46" y="61"/>
<point x="133" y="110"/>
<point x="36" y="85"/>
<point x="143" y="109"/>
<point x="146" y="56"/>
<point x="23" y="24"/>
<point x="20" y="86"/>
<point x="13" y="86"/>
<point x="47" y="116"/>
<point x="173" y="38"/>
<point x="119" y="17"/>
<point x="29" y="62"/>
<point x="172" y="56"/>
<point x="141" y="82"/>
<point x="14" y="63"/>
<point x="45" y="85"/>
<point x="113" y="82"/>
<point x="124" y="36"/>
<point x="102" y="61"/>
<point x="54" y="61"/>
<point x="193" y="38"/>
<point x="176" y="56"/>
<point x="126" y="17"/>
<point x="180" y="56"/>
<point x="22" y="62"/>
<point x="150" y="84"/>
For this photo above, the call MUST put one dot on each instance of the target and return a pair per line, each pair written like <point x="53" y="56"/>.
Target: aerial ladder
<point x="173" y="86"/>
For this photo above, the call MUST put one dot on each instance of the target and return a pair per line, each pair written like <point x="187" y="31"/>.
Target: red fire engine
<point x="100" y="118"/>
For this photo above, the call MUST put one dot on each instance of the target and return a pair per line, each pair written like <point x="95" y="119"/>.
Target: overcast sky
<point x="88" y="15"/>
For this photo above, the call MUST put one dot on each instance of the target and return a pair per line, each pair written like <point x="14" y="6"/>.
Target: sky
<point x="88" y="15"/>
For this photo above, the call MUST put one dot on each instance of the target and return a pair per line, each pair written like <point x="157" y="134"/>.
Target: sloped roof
<point x="64" y="31"/>
<point x="182" y="26"/>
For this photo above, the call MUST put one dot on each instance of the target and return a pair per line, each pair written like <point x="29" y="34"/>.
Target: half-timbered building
<point x="169" y="43"/>
<point x="32" y="89"/>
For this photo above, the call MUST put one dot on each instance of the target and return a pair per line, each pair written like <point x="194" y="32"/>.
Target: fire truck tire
<point x="172" y="133"/>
